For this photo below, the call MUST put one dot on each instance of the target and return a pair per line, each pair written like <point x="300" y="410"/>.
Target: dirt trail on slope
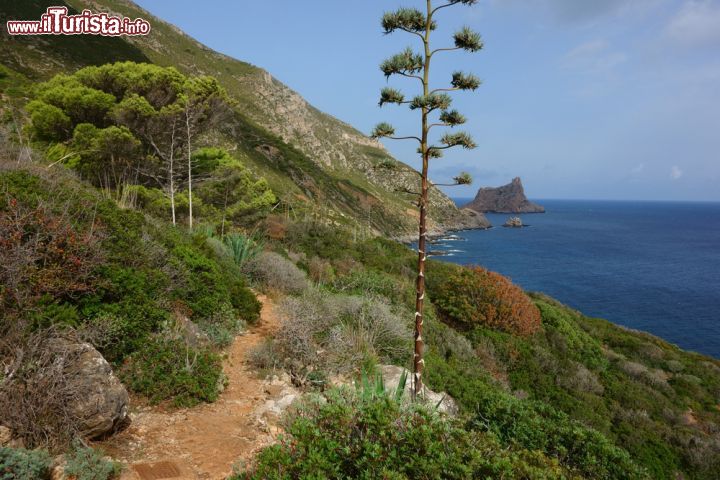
<point x="202" y="442"/>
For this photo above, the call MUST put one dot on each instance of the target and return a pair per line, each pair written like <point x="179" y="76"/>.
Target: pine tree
<point x="433" y="104"/>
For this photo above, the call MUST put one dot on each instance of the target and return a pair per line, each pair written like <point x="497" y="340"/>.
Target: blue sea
<point x="651" y="266"/>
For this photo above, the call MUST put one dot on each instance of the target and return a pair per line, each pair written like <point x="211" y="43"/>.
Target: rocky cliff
<point x="509" y="198"/>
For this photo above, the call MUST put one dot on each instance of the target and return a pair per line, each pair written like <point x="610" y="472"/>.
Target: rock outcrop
<point x="466" y="219"/>
<point x="470" y="219"/>
<point x="6" y="435"/>
<point x="509" y="198"/>
<point x="514" y="222"/>
<point x="391" y="378"/>
<point x="281" y="395"/>
<point x="102" y="406"/>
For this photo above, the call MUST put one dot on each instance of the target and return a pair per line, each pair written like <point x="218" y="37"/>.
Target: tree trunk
<point x="171" y="174"/>
<point x="189" y="157"/>
<point x="222" y="229"/>
<point x="418" y="358"/>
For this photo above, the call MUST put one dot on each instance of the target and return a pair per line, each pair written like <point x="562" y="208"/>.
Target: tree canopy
<point x="129" y="125"/>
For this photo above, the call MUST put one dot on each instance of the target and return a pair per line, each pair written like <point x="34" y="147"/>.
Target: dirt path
<point x="202" y="442"/>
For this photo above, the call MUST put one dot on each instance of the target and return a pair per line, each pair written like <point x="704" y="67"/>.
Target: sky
<point x="586" y="99"/>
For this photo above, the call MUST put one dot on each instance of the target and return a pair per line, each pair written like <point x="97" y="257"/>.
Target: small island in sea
<point x="514" y="222"/>
<point x="508" y="198"/>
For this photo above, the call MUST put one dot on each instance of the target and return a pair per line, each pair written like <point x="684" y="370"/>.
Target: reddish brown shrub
<point x="41" y="254"/>
<point x="476" y="296"/>
<point x="276" y="227"/>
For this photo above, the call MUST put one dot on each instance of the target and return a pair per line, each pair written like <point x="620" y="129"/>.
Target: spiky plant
<point x="243" y="248"/>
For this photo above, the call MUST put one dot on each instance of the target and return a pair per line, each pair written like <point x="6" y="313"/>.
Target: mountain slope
<point x="316" y="163"/>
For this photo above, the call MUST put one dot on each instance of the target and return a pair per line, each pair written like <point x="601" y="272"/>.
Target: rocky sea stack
<point x="514" y="222"/>
<point x="509" y="198"/>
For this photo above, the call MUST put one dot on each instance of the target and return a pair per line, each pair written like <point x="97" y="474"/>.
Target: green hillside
<point x="318" y="165"/>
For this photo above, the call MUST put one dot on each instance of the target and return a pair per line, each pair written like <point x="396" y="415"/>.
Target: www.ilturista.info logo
<point x="57" y="22"/>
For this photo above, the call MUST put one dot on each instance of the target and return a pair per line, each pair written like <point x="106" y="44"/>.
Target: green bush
<point x="369" y="437"/>
<point x="207" y="287"/>
<point x="568" y="338"/>
<point x="538" y="426"/>
<point x="169" y="369"/>
<point x="530" y="425"/>
<point x="49" y="122"/>
<point x="21" y="464"/>
<point x="222" y="326"/>
<point x="89" y="464"/>
<point x="361" y="281"/>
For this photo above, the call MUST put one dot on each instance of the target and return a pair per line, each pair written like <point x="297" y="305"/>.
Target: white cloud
<point x="638" y="169"/>
<point x="594" y="57"/>
<point x="696" y="24"/>
<point x="676" y="172"/>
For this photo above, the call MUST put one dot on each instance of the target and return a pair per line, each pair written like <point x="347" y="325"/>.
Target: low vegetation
<point x="276" y="273"/>
<point x="323" y="335"/>
<point x="352" y="436"/>
<point x="74" y="263"/>
<point x="83" y="463"/>
<point x="80" y="463"/>
<point x="21" y="464"/>
<point x="603" y="401"/>
<point x="171" y="369"/>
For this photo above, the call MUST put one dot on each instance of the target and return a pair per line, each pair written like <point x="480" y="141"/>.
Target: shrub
<point x="360" y="281"/>
<point x="43" y="256"/>
<point x="675" y="366"/>
<point x="89" y="464"/>
<point x="273" y="271"/>
<point x="207" y="287"/>
<point x="49" y="122"/>
<point x="369" y="436"/>
<point x="169" y="369"/>
<point x="476" y="296"/>
<point x="314" y="238"/>
<point x="38" y="388"/>
<point x="531" y="425"/>
<point x="320" y="271"/>
<point x="337" y="333"/>
<point x="638" y="371"/>
<point x="581" y="379"/>
<point x="537" y="426"/>
<point x="266" y="357"/>
<point x="21" y="464"/>
<point x="223" y="326"/>
<point x="144" y="267"/>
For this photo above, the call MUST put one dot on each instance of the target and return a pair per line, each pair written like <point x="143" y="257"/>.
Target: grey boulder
<point x="444" y="403"/>
<point x="101" y="405"/>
